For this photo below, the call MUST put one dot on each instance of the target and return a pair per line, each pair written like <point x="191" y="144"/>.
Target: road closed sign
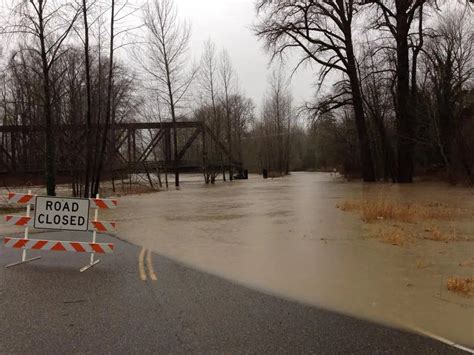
<point x="61" y="213"/>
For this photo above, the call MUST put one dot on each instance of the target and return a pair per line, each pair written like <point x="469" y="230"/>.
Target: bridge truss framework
<point x="132" y="145"/>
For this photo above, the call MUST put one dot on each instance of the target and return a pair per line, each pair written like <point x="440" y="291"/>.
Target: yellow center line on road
<point x="149" y="264"/>
<point x="141" y="265"/>
<point x="150" y="267"/>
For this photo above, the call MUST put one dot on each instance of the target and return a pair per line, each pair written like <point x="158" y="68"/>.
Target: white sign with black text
<point x="61" y="213"/>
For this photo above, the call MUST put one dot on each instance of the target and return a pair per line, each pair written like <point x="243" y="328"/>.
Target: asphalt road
<point x="48" y="306"/>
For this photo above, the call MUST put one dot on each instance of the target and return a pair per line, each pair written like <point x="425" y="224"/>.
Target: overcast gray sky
<point x="228" y="24"/>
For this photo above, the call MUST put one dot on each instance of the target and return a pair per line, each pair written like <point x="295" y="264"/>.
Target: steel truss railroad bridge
<point x="130" y="148"/>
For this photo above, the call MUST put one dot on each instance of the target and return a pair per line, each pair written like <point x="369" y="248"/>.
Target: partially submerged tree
<point x="275" y="125"/>
<point x="449" y="67"/>
<point x="322" y="30"/>
<point x="227" y="80"/>
<point x="209" y="113"/>
<point x="165" y="59"/>
<point x="377" y="82"/>
<point x="243" y="116"/>
<point x="397" y="17"/>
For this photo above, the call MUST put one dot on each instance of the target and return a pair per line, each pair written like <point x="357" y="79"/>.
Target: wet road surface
<point x="135" y="301"/>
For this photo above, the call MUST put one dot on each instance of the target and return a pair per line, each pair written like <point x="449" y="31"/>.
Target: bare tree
<point x="108" y="113"/>
<point x="276" y="124"/>
<point x="48" y="23"/>
<point x="209" y="85"/>
<point x="227" y="78"/>
<point x="450" y="71"/>
<point x="243" y="116"/>
<point x="165" y="59"/>
<point x="377" y="81"/>
<point x="397" y="17"/>
<point x="208" y="75"/>
<point x="89" y="100"/>
<point x="322" y="30"/>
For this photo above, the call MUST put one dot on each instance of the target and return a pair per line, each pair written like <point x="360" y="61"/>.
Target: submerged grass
<point x="461" y="285"/>
<point x="395" y="236"/>
<point x="409" y="215"/>
<point x="422" y="264"/>
<point x="373" y="210"/>
<point x="407" y="224"/>
<point x="437" y="235"/>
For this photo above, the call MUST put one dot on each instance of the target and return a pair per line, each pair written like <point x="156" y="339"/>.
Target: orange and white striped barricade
<point x="101" y="203"/>
<point x="57" y="245"/>
<point x="21" y="198"/>
<point x="98" y="203"/>
<point x="63" y="214"/>
<point x="28" y="200"/>
<point x="23" y="221"/>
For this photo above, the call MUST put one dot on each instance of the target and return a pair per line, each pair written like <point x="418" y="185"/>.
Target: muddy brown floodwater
<point x="286" y="237"/>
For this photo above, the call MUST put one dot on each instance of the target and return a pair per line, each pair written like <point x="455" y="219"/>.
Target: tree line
<point x="404" y="99"/>
<point x="54" y="76"/>
<point x="62" y="69"/>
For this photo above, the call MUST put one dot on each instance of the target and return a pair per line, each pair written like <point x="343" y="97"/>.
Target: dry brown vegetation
<point x="373" y="210"/>
<point x="406" y="224"/>
<point x="421" y="264"/>
<point x="395" y="236"/>
<point x="383" y="211"/>
<point x="464" y="286"/>
<point x="438" y="235"/>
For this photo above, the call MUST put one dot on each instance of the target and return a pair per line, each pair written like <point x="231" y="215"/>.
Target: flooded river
<point x="286" y="237"/>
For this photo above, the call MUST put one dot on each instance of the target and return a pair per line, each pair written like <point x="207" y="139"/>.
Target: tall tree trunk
<point x="368" y="171"/>
<point x="405" y="124"/>
<point x="173" y="114"/>
<point x="175" y="128"/>
<point x="108" y="111"/>
<point x="48" y="119"/>
<point x="89" y="103"/>
<point x="229" y="137"/>
<point x="175" y="144"/>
